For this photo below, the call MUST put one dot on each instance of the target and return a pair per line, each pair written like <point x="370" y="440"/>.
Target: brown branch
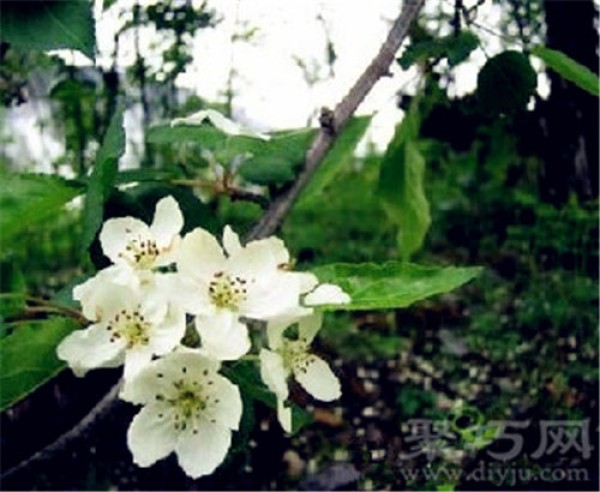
<point x="101" y="408"/>
<point x="323" y="141"/>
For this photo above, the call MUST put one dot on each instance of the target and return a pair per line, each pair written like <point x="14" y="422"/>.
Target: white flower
<point x="326" y="294"/>
<point x="245" y="282"/>
<point x="130" y="326"/>
<point x="289" y="357"/>
<point x="135" y="247"/>
<point x="188" y="408"/>
<point x="218" y="121"/>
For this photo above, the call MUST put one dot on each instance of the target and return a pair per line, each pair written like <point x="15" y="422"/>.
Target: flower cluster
<point x="159" y="286"/>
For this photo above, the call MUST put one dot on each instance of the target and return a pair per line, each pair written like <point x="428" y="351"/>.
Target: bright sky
<point x="271" y="89"/>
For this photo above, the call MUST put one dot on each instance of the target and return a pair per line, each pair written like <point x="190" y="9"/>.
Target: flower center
<point x="141" y="253"/>
<point x="190" y="400"/>
<point x="131" y="326"/>
<point x="295" y="355"/>
<point x="226" y="291"/>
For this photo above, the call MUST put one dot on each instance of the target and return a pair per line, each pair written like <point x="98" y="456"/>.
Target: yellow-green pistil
<point x="190" y="400"/>
<point x="131" y="326"/>
<point x="226" y="291"/>
<point x="141" y="253"/>
<point x="295" y="355"/>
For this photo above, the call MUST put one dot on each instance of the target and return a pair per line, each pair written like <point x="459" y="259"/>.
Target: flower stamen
<point x="226" y="291"/>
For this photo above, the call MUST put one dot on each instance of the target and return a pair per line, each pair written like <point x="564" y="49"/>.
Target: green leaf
<point x="13" y="289"/>
<point x="264" y="170"/>
<point x="206" y="136"/>
<point x="291" y="145"/>
<point x="148" y="174"/>
<point x="28" y="358"/>
<point x="48" y="25"/>
<point x="505" y="83"/>
<point x="337" y="158"/>
<point x="392" y="284"/>
<point x="102" y="178"/>
<point x="245" y="374"/>
<point x="455" y="48"/>
<point x="569" y="69"/>
<point x="27" y="199"/>
<point x="400" y="185"/>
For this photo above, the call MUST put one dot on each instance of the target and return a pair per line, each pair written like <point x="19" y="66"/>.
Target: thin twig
<point x="323" y="141"/>
<point x="233" y="192"/>
<point x="46" y="306"/>
<point x="102" y="407"/>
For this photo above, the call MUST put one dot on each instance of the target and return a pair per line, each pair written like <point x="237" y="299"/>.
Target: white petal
<point x="327" y="294"/>
<point x="158" y="377"/>
<point x="284" y="415"/>
<point x="188" y="294"/>
<point x="274" y="296"/>
<point x="275" y="248"/>
<point x="167" y="223"/>
<point x="150" y="437"/>
<point x="307" y="280"/>
<point x="90" y="348"/>
<point x="226" y="408"/>
<point x="136" y="359"/>
<point x="255" y="260"/>
<point x="98" y="292"/>
<point x="223" y="336"/>
<point x="218" y="121"/>
<point x="309" y="326"/>
<point x="167" y="335"/>
<point x="116" y="234"/>
<point x="200" y="254"/>
<point x="273" y="373"/>
<point x="200" y="454"/>
<point x="231" y="241"/>
<point x="318" y="379"/>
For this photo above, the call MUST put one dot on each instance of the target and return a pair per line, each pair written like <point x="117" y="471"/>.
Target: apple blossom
<point x="134" y="247"/>
<point x="129" y="326"/>
<point x="287" y="357"/>
<point x="221" y="286"/>
<point x="188" y="408"/>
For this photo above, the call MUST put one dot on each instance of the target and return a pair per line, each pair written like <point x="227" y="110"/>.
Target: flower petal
<point x="135" y="360"/>
<point x="188" y="294"/>
<point x="99" y="296"/>
<point x="200" y="255"/>
<point x="223" y="336"/>
<point x="231" y="241"/>
<point x="318" y="379"/>
<point x="151" y="437"/>
<point x="284" y="415"/>
<point x="116" y="234"/>
<point x="158" y="377"/>
<point x="199" y="454"/>
<point x="227" y="407"/>
<point x="327" y="294"/>
<point x="88" y="349"/>
<point x="253" y="261"/>
<point x="275" y="248"/>
<point x="278" y="297"/>
<point x="165" y="336"/>
<point x="309" y="326"/>
<point x="273" y="373"/>
<point x="167" y="223"/>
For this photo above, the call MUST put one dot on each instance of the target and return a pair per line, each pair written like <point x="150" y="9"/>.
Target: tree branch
<point x="379" y="67"/>
<point x="101" y="408"/>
